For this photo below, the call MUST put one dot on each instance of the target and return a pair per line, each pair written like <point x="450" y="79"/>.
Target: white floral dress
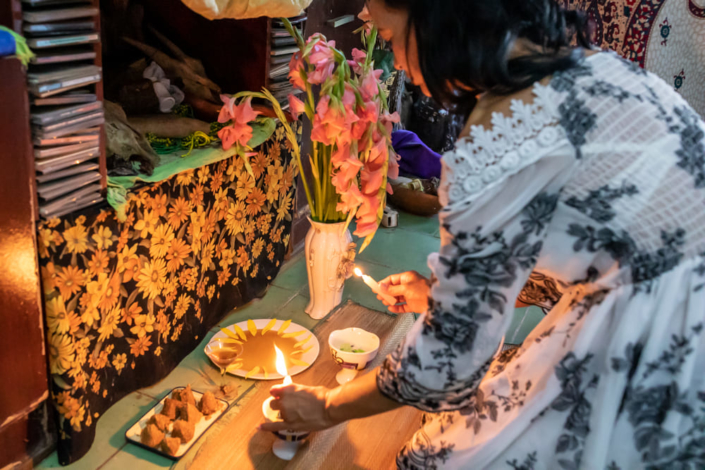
<point x="589" y="202"/>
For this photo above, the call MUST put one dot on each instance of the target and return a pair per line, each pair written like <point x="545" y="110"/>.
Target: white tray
<point x="133" y="434"/>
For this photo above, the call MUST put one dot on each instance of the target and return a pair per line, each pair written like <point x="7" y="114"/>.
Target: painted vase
<point x="330" y="259"/>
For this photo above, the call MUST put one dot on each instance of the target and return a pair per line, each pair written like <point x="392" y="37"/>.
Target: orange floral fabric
<point x="126" y="302"/>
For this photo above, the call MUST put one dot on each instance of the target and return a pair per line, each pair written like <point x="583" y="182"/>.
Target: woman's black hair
<point x="464" y="45"/>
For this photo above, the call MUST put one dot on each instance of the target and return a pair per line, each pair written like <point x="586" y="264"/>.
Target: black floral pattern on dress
<point x="577" y="119"/>
<point x="501" y="362"/>
<point x="648" y="405"/>
<point x="422" y="454"/>
<point x="566" y="81"/>
<point x="602" y="88"/>
<point x="598" y="204"/>
<point x="581" y="308"/>
<point x="487" y="407"/>
<point x="645" y="266"/>
<point x="528" y="464"/>
<point x="397" y="380"/>
<point x="573" y="399"/>
<point x="700" y="271"/>
<point x="538" y="214"/>
<point x="691" y="154"/>
<point x="620" y="246"/>
<point x="490" y="264"/>
<point x="685" y="123"/>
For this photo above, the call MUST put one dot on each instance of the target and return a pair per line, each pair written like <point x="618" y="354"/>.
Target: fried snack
<point x="209" y="404"/>
<point x="170" y="408"/>
<point x="170" y="445"/>
<point x="160" y="421"/>
<point x="176" y="395"/>
<point x="183" y="430"/>
<point x="187" y="396"/>
<point x="190" y="413"/>
<point x="151" y="436"/>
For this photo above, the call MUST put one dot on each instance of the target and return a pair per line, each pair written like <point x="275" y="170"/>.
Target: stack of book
<point x="66" y="113"/>
<point x="283" y="48"/>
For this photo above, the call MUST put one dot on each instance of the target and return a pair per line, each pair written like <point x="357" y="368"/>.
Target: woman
<point x="579" y="186"/>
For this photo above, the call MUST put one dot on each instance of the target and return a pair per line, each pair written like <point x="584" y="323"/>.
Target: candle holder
<point x="352" y="349"/>
<point x="287" y="442"/>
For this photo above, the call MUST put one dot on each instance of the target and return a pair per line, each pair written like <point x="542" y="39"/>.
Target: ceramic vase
<point x="330" y="257"/>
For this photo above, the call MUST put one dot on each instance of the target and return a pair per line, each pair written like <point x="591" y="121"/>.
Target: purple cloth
<point x="415" y="156"/>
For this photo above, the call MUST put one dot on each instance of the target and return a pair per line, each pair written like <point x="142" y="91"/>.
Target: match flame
<point x="281" y="362"/>
<point x="358" y="272"/>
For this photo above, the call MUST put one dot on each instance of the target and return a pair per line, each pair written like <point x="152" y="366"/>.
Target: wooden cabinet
<point x="23" y="368"/>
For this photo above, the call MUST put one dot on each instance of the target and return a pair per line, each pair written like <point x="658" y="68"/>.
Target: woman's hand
<point x="302" y="408"/>
<point x="411" y="290"/>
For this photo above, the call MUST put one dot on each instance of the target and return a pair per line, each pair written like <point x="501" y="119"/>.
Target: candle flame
<point x="281" y="362"/>
<point x="358" y="272"/>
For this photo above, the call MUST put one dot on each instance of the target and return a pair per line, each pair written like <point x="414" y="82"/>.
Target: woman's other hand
<point x="411" y="290"/>
<point x="302" y="409"/>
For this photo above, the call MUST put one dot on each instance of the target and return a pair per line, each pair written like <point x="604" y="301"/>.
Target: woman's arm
<point x="316" y="408"/>
<point x="491" y="240"/>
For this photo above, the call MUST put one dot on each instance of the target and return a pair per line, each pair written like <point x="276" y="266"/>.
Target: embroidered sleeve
<point x="489" y="246"/>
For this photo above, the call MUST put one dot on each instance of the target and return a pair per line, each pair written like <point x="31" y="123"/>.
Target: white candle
<point x="374" y="285"/>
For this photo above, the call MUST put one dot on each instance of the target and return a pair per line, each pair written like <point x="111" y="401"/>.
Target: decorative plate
<point x="302" y="340"/>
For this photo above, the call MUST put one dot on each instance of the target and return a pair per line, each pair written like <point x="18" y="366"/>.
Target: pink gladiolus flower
<point x="388" y="120"/>
<point x="296" y="65"/>
<point x="367" y="215"/>
<point x="243" y="113"/>
<point x="348" y="98"/>
<point x="358" y="61"/>
<point x="379" y="151"/>
<point x="345" y="176"/>
<point x="322" y="57"/>
<point x="365" y="228"/>
<point x="322" y="52"/>
<point x="370" y="85"/>
<point x="328" y="124"/>
<point x="369" y="112"/>
<point x="240" y="115"/>
<point x="350" y="199"/>
<point x="359" y="129"/>
<point x="296" y="106"/>
<point x="321" y="73"/>
<point x="240" y="133"/>
<point x="370" y="181"/>
<point x="227" y="111"/>
<point x="340" y="154"/>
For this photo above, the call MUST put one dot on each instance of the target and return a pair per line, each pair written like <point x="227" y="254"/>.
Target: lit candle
<point x="374" y="285"/>
<point x="287" y="442"/>
<point x="281" y="366"/>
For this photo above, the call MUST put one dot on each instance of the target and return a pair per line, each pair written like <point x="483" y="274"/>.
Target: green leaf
<point x="383" y="60"/>
<point x="262" y="130"/>
<point x="309" y="46"/>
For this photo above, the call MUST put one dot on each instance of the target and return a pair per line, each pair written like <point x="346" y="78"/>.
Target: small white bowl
<point x="351" y="362"/>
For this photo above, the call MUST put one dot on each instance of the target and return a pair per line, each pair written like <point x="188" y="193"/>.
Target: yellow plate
<point x="308" y="357"/>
